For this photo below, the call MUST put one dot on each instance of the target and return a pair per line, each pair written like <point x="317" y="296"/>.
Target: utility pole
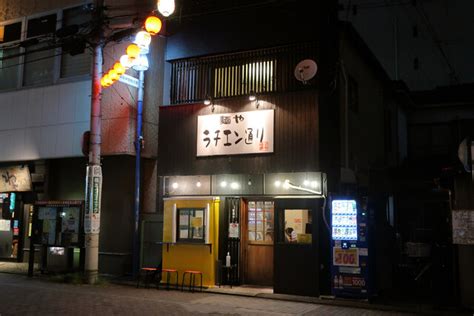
<point x="94" y="170"/>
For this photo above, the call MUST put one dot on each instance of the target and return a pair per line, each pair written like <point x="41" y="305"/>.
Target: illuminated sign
<point x="344" y="220"/>
<point x="235" y="133"/>
<point x="15" y="179"/>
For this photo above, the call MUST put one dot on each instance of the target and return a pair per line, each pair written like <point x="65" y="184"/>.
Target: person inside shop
<point x="290" y="235"/>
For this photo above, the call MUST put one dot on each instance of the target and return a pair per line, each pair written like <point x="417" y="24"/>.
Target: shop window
<point x="9" y="57"/>
<point x="9" y="60"/>
<point x="191" y="225"/>
<point x="10" y="32"/>
<point x="73" y="64"/>
<point x="39" y="58"/>
<point x="297" y="228"/>
<point x="42" y="25"/>
<point x="260" y="221"/>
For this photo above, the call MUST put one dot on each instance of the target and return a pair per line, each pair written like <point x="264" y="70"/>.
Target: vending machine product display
<point x="350" y="249"/>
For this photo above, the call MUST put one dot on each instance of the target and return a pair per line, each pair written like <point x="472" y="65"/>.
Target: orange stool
<point x="168" y="277"/>
<point x="150" y="275"/>
<point x="192" y="279"/>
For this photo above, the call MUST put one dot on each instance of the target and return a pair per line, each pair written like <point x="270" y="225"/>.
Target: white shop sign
<point x="235" y="133"/>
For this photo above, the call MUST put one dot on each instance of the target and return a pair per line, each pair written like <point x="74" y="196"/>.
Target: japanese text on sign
<point x="235" y="133"/>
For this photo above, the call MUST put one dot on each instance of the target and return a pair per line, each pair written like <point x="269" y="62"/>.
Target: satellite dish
<point x="465" y="154"/>
<point x="305" y="70"/>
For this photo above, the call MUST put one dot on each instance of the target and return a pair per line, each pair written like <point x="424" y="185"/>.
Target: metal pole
<point x="94" y="171"/>
<point x="138" y="147"/>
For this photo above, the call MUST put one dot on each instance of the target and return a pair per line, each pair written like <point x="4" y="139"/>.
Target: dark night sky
<point x="444" y="45"/>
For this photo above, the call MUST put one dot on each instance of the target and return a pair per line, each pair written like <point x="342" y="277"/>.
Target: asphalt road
<point x="22" y="296"/>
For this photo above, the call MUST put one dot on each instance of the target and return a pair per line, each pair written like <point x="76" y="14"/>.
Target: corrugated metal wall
<point x="296" y="137"/>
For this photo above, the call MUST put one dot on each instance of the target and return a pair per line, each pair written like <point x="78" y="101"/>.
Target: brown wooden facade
<point x="296" y="137"/>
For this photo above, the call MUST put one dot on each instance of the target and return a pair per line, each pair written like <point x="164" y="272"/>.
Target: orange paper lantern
<point x="133" y="51"/>
<point x="153" y="25"/>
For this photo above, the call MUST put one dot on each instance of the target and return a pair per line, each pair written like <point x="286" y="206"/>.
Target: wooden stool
<point x="150" y="274"/>
<point x="192" y="279"/>
<point x="168" y="276"/>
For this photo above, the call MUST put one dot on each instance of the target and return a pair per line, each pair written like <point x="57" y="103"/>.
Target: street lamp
<point x="126" y="62"/>
<point x="166" y="7"/>
<point x="136" y="59"/>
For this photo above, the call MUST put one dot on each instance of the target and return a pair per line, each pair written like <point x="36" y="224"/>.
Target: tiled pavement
<point x="22" y="296"/>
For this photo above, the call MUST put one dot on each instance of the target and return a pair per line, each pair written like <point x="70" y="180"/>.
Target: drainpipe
<point x="395" y="37"/>
<point x="346" y="116"/>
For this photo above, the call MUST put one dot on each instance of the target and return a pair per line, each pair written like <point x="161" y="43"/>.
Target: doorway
<point x="301" y="247"/>
<point x="257" y="242"/>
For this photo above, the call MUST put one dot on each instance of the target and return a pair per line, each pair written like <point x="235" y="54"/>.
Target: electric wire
<point x="422" y="12"/>
<point x="413" y="20"/>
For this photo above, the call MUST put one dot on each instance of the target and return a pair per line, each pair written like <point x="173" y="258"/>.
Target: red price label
<point x="346" y="257"/>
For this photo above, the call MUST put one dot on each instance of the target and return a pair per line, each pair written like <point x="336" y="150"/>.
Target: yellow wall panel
<point x="186" y="256"/>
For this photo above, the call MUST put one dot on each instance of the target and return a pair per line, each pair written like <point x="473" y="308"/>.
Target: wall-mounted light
<point x="253" y="98"/>
<point x="277" y="183"/>
<point x="175" y="185"/>
<point x="198" y="184"/>
<point x="249" y="182"/>
<point x="234" y="185"/>
<point x="208" y="101"/>
<point x="223" y="184"/>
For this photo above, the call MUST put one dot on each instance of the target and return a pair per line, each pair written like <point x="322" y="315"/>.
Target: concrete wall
<point x="48" y="122"/>
<point x="273" y="24"/>
<point x="45" y="122"/>
<point x="366" y="126"/>
<point x="66" y="181"/>
<point x="11" y="9"/>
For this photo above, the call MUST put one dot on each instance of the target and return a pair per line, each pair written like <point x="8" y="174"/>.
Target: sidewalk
<point x="267" y="293"/>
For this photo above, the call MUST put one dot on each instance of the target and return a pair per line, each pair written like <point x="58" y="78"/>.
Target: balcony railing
<point x="237" y="74"/>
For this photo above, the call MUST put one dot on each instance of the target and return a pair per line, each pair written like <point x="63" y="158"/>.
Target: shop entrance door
<point x="258" y="217"/>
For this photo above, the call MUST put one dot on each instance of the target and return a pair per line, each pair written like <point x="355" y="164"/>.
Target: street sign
<point x="93" y="199"/>
<point x="131" y="81"/>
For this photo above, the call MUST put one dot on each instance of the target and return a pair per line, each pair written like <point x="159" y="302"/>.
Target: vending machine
<point x="350" y="269"/>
